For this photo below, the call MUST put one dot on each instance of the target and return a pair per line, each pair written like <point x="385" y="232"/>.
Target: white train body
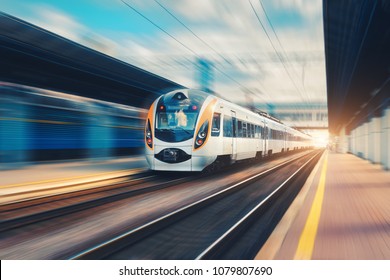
<point x="188" y="130"/>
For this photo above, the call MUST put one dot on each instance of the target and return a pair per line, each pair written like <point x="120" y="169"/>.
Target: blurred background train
<point x="189" y="130"/>
<point x="37" y="125"/>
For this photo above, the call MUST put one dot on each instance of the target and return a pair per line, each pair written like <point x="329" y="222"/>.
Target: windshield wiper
<point x="184" y="130"/>
<point x="165" y="129"/>
<point x="174" y="130"/>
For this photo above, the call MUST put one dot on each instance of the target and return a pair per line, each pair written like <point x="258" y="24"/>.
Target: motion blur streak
<point x="37" y="124"/>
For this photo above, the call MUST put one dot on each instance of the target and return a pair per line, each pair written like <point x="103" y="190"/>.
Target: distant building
<point x="304" y="116"/>
<point x="205" y="75"/>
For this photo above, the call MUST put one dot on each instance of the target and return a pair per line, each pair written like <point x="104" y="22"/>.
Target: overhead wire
<point x="280" y="44"/>
<point x="139" y="13"/>
<point x="277" y="53"/>
<point x="193" y="33"/>
<point x="181" y="43"/>
<point x="208" y="45"/>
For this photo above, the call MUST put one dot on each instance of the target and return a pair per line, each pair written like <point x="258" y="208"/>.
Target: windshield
<point x="176" y="120"/>
<point x="176" y="116"/>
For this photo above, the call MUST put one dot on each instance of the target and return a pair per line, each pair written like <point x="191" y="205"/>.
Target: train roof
<point x="255" y="112"/>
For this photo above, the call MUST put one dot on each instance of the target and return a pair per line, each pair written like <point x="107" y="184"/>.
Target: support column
<point x="342" y="144"/>
<point x="353" y="142"/>
<point x="365" y="140"/>
<point x="358" y="132"/>
<point x="360" y="141"/>
<point x="385" y="139"/>
<point x="375" y="140"/>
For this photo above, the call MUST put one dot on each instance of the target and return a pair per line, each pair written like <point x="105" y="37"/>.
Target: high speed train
<point x="190" y="130"/>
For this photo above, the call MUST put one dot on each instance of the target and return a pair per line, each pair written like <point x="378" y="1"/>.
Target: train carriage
<point x="189" y="130"/>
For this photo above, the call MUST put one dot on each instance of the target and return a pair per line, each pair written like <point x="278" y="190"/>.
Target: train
<point x="191" y="130"/>
<point x="40" y="125"/>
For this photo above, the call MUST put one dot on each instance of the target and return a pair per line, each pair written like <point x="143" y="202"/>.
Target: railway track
<point x="68" y="199"/>
<point x="43" y="204"/>
<point x="212" y="227"/>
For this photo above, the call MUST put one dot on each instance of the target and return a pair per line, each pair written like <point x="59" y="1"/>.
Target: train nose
<point x="172" y="155"/>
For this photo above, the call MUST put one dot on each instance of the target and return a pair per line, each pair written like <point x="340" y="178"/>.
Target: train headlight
<point x="148" y="135"/>
<point x="202" y="134"/>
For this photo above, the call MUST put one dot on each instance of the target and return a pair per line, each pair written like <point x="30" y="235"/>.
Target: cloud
<point x="240" y="47"/>
<point x="308" y="9"/>
<point x="200" y="10"/>
<point x="57" y="22"/>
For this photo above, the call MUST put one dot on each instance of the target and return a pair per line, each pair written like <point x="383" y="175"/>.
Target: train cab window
<point x="227" y="126"/>
<point x="239" y="126"/>
<point x="216" y="128"/>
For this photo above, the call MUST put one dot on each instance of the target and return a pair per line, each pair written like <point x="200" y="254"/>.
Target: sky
<point x="268" y="51"/>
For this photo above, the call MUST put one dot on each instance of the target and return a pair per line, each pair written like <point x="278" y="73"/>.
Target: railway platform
<point x="36" y="179"/>
<point x="341" y="213"/>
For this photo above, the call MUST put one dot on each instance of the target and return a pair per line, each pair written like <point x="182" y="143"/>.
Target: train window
<point x="239" y="126"/>
<point x="234" y="120"/>
<point x="227" y="126"/>
<point x="215" y="129"/>
<point x="244" y="129"/>
<point x="252" y="130"/>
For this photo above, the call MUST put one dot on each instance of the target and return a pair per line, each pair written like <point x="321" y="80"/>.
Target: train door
<point x="285" y="140"/>
<point x="234" y="138"/>
<point x="265" y="139"/>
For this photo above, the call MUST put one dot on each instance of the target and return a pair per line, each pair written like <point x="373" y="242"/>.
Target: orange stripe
<point x="207" y="115"/>
<point x="150" y="118"/>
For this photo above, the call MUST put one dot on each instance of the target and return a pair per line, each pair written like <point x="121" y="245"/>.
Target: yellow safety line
<point x="306" y="241"/>
<point x="65" y="179"/>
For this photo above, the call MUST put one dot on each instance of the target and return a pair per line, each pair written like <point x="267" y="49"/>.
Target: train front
<point x="177" y="130"/>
